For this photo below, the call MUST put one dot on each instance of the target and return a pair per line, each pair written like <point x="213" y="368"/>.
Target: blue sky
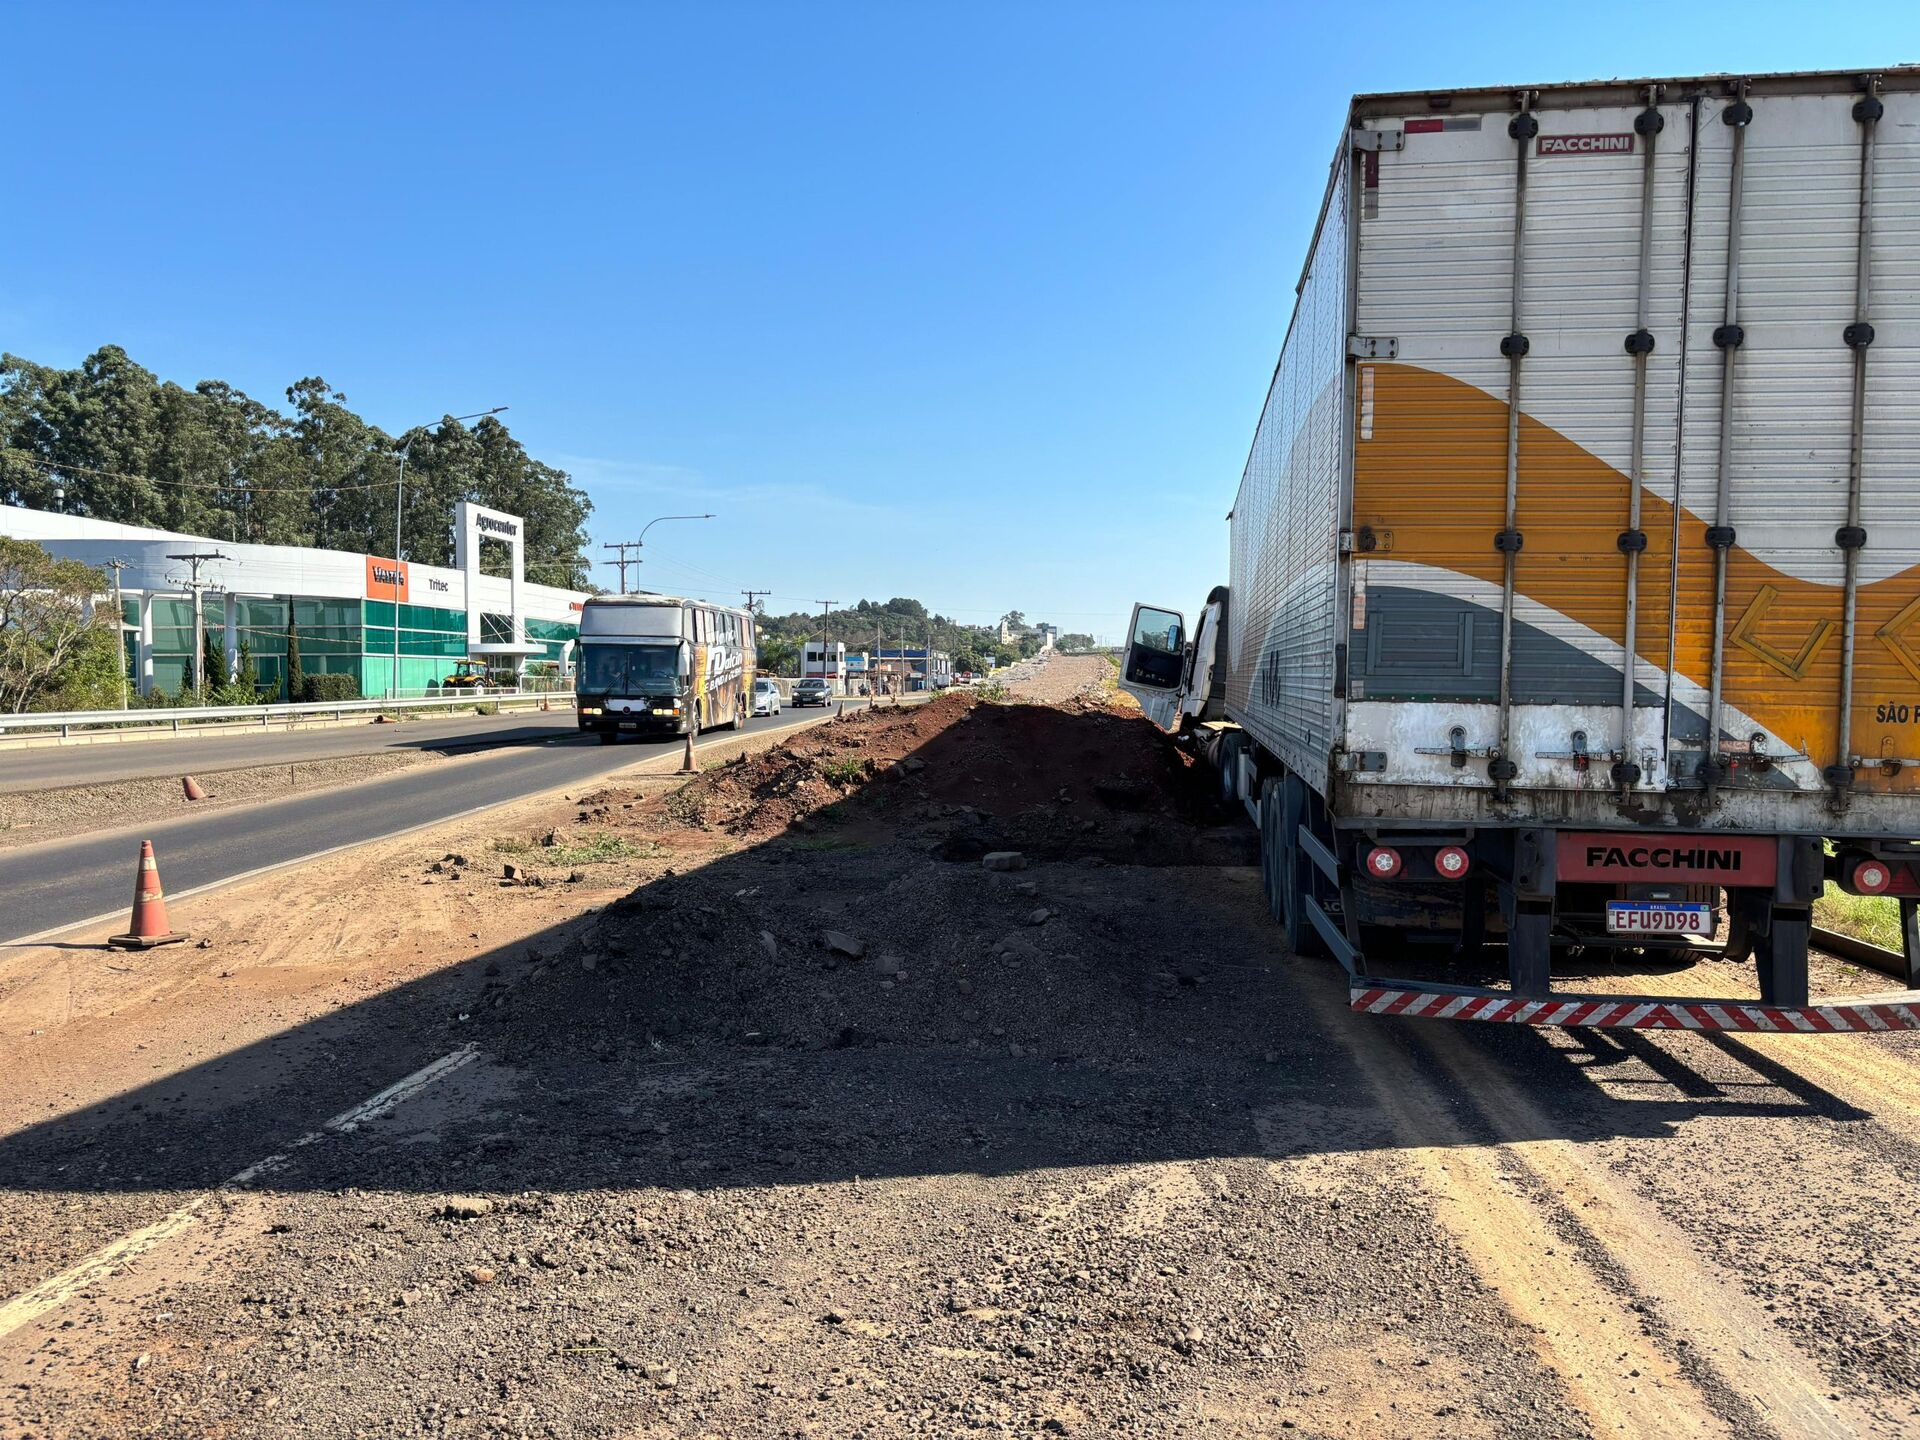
<point x="972" y="302"/>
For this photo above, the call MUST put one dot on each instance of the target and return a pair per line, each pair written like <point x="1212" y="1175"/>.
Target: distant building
<point x="921" y="668"/>
<point x="340" y="606"/>
<point x="1046" y="634"/>
<point x="825" y="662"/>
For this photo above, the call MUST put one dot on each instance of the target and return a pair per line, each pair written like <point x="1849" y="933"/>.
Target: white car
<point x="766" y="698"/>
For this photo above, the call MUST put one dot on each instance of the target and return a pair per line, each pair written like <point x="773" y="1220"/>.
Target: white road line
<point x="51" y="1293"/>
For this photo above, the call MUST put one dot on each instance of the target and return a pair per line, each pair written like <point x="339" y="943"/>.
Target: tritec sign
<point x="387" y="580"/>
<point x="1689" y="859"/>
<point x="1621" y="144"/>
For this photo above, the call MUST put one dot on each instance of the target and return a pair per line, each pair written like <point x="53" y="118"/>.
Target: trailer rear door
<point x="1544" y="495"/>
<point x="1800" y="504"/>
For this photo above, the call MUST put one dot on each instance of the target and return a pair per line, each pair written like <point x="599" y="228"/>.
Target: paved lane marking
<point x="103" y="1263"/>
<point x="633" y="768"/>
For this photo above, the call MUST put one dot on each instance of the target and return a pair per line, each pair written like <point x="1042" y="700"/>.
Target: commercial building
<point x="343" y="610"/>
<point x="924" y="669"/>
<point x="821" y="661"/>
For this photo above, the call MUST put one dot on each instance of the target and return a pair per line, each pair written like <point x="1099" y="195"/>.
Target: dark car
<point x="811" y="692"/>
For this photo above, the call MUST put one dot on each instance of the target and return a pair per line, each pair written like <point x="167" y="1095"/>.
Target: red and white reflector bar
<point x="1640" y="1012"/>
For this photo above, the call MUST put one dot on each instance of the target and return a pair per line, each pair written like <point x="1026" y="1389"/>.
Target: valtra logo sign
<point x="387" y="579"/>
<point x="1585" y="144"/>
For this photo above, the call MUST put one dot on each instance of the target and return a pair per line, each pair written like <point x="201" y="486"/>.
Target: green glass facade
<point x="339" y="637"/>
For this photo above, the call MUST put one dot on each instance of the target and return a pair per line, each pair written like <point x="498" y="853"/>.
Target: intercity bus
<point x="659" y="665"/>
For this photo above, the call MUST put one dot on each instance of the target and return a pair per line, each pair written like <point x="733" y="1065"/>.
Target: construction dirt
<point x="1051" y="677"/>
<point x="932" y="1071"/>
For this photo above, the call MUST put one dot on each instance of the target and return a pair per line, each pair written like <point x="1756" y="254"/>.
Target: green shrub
<point x="324" y="689"/>
<point x="1872" y="918"/>
<point x="843" y="771"/>
<point x="586" y="849"/>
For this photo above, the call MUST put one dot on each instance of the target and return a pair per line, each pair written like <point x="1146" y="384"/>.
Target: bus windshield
<point x="645" y="669"/>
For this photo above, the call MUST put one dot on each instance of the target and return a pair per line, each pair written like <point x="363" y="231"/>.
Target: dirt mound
<point x="1078" y="776"/>
<point x="848" y="858"/>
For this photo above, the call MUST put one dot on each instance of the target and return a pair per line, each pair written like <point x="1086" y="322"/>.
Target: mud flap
<point x="1780" y="956"/>
<point x="1529" y="942"/>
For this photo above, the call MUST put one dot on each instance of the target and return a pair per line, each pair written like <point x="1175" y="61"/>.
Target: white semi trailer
<point x="1574" y="586"/>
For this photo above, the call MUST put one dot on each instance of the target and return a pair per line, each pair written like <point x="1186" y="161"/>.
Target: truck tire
<point x="1228" y="754"/>
<point x="1299" y="875"/>
<point x="1271" y="873"/>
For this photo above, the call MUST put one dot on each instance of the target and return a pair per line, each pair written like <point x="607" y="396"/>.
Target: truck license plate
<point x="1659" y="917"/>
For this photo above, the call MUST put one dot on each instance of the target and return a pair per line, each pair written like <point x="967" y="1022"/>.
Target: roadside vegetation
<point x="1872" y="918"/>
<point x="588" y="849"/>
<point x="56" y="647"/>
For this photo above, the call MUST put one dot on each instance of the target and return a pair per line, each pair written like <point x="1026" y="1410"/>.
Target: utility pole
<point x="199" y="587"/>
<point x="825" y="606"/>
<point x="752" y="597"/>
<point x="119" y="627"/>
<point x="621" y="560"/>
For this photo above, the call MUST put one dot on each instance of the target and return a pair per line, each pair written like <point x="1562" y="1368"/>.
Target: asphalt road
<point x="224" y="749"/>
<point x="59" y="884"/>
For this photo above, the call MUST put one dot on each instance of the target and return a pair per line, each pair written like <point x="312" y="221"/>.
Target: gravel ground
<point x="838" y="1122"/>
<point x="1051" y="677"/>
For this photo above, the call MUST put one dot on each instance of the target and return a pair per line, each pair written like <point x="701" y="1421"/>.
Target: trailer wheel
<point x="1299" y="875"/>
<point x="1270" y="848"/>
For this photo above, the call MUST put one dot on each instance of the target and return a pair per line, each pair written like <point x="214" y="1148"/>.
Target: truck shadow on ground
<point x="1122" y="999"/>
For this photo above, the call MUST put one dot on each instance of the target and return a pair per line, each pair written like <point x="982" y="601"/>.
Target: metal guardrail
<point x="65" y="722"/>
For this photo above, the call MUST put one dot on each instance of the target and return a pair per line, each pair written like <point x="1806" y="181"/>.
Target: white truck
<point x="1574" y="588"/>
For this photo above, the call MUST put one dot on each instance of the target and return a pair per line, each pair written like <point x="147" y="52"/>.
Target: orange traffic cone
<point x="190" y="789"/>
<point x="148" y="927"/>
<point x="688" y="764"/>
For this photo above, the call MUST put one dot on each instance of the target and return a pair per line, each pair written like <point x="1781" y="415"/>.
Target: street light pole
<point x="623" y="546"/>
<point x="655" y="521"/>
<point x="399" y="493"/>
